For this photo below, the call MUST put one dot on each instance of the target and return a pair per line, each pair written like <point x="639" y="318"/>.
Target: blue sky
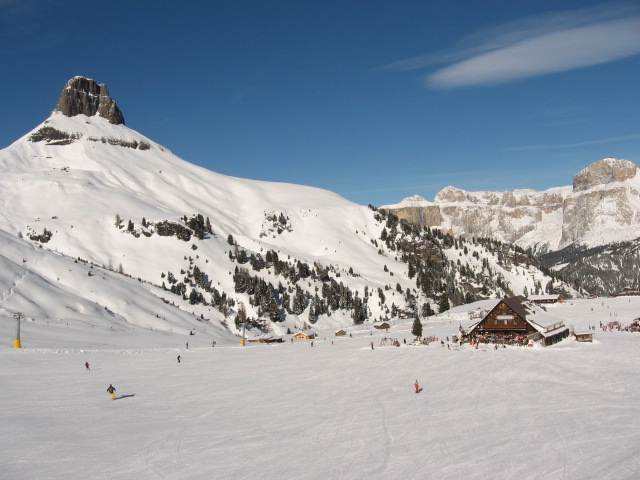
<point x="374" y="100"/>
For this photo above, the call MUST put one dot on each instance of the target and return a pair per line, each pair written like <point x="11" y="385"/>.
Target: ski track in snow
<point x="339" y="411"/>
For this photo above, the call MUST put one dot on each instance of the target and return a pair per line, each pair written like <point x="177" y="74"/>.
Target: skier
<point x="86" y="364"/>
<point x="178" y="358"/>
<point x="213" y="344"/>
<point x="371" y="345"/>
<point x="417" y="386"/>
<point x="112" y="392"/>
<point x="187" y="345"/>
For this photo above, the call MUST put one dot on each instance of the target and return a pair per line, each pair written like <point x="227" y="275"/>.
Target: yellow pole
<point x="16" y="343"/>
<point x="242" y="342"/>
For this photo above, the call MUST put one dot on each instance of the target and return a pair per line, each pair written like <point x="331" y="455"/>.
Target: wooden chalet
<point x="382" y="326"/>
<point x="306" y="335"/>
<point x="583" y="337"/>
<point x="627" y="292"/>
<point x="341" y="333"/>
<point x="265" y="340"/>
<point x="512" y="321"/>
<point x="540" y="299"/>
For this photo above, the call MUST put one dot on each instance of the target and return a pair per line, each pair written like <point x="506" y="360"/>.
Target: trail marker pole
<point x="18" y="316"/>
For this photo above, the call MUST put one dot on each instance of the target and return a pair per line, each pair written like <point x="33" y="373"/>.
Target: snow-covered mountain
<point x="108" y="202"/>
<point x="602" y="208"/>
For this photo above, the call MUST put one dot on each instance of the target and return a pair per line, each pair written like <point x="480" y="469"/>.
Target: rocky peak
<point x="450" y="194"/>
<point x="85" y="96"/>
<point x="604" y="171"/>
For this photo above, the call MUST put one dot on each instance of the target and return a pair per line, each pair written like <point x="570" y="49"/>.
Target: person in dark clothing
<point x="178" y="358"/>
<point x="371" y="345"/>
<point x="112" y="392"/>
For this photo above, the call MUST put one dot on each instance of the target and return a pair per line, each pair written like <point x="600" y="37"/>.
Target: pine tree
<point x="416" y="330"/>
<point x="444" y="304"/>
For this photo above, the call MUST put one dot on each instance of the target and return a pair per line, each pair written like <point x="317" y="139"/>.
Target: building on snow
<point x="516" y="321"/>
<point x="546" y="299"/>
<point x="305" y="335"/>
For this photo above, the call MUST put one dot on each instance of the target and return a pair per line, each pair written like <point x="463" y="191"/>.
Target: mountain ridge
<point x="228" y="250"/>
<point x="546" y="220"/>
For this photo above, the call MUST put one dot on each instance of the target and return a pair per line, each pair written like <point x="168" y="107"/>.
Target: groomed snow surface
<point x="334" y="410"/>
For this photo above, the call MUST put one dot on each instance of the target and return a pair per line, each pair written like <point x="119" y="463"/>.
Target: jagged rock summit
<point x="605" y="171"/>
<point x="600" y="208"/>
<point x="84" y="96"/>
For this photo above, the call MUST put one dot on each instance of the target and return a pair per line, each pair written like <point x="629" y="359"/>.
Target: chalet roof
<point x="535" y="316"/>
<point x="383" y="325"/>
<point x="306" y="332"/>
<point x="516" y="304"/>
<point x="544" y="322"/>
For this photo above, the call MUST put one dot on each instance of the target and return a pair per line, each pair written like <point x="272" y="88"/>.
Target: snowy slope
<point x="337" y="410"/>
<point x="103" y="194"/>
<point x="73" y="304"/>
<point x="76" y="190"/>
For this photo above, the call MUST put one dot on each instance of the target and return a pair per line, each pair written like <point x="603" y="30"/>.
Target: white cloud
<point x="548" y="53"/>
<point x="535" y="45"/>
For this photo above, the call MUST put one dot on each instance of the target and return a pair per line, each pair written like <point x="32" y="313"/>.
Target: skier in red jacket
<point x="417" y="386"/>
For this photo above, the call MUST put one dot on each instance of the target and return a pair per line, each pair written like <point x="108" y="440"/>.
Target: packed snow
<point x="337" y="409"/>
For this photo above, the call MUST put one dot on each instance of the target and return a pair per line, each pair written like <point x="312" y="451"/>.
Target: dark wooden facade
<point x="584" y="337"/>
<point x="507" y="317"/>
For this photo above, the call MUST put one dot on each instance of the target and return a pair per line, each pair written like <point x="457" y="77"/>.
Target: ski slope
<point x="335" y="410"/>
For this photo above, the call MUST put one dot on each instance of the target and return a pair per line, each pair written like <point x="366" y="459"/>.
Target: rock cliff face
<point x="601" y="207"/>
<point x="605" y="171"/>
<point x="85" y="96"/>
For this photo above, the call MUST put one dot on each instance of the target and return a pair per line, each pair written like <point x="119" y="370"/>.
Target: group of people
<point x="502" y="339"/>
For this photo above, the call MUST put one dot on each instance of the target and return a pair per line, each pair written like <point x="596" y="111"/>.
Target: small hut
<point x="341" y="333"/>
<point x="583" y="336"/>
<point x="265" y="339"/>
<point x="541" y="299"/>
<point x="382" y="326"/>
<point x="305" y="335"/>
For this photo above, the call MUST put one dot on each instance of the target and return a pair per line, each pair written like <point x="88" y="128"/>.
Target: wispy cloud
<point x="532" y="46"/>
<point x="573" y="145"/>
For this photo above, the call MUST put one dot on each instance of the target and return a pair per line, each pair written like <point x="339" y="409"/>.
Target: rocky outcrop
<point x="83" y="96"/>
<point x="605" y="171"/>
<point x="601" y="207"/>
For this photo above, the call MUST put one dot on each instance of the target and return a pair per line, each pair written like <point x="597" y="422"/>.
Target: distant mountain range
<point x="104" y="229"/>
<point x="588" y="231"/>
